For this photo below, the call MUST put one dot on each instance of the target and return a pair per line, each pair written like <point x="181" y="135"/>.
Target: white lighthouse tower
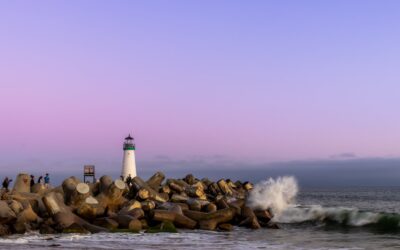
<point x="129" y="162"/>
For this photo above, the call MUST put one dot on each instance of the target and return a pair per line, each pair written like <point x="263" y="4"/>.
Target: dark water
<point x="325" y="218"/>
<point x="373" y="199"/>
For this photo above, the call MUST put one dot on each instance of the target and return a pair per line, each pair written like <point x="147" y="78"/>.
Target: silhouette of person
<point x="47" y="180"/>
<point x="6" y="183"/>
<point x="128" y="180"/>
<point x="32" y="180"/>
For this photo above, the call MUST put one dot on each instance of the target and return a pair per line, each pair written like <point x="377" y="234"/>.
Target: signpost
<point x="89" y="172"/>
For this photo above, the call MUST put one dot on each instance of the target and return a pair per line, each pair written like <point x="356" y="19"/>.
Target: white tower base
<point x="129" y="163"/>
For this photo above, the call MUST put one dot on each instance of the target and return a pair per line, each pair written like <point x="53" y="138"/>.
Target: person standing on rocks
<point x="6" y="183"/>
<point x="128" y="180"/>
<point x="32" y="180"/>
<point x="40" y="180"/>
<point x="47" y="180"/>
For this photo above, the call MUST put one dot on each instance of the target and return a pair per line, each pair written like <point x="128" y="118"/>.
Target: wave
<point x="351" y="217"/>
<point x="278" y="195"/>
<point x="272" y="194"/>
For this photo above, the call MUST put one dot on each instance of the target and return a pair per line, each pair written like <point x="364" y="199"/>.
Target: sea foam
<point x="274" y="194"/>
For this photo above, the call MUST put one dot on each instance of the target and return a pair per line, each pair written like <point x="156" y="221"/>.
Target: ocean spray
<point x="276" y="195"/>
<point x="279" y="196"/>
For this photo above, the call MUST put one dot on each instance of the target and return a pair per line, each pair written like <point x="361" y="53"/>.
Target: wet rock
<point x="75" y="229"/>
<point x="164" y="227"/>
<point x="225" y="227"/>
<point x="106" y="223"/>
<point x="178" y="219"/>
<point x="250" y="220"/>
<point x="135" y="225"/>
<point x="210" y="221"/>
<point x="4" y="230"/>
<point x="47" y="229"/>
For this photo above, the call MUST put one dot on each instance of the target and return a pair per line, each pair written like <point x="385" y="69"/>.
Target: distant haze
<point x="276" y="86"/>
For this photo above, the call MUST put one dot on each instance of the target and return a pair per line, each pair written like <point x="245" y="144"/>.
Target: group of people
<point x="45" y="180"/>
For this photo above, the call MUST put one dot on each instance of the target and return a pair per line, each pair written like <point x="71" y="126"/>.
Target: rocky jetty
<point x="155" y="205"/>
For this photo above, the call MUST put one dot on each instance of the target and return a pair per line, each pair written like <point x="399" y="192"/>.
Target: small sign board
<point x="89" y="171"/>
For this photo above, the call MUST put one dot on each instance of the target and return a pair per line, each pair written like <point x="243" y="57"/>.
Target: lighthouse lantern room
<point x="129" y="161"/>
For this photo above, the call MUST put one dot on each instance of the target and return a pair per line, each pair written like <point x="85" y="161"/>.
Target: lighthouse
<point x="129" y="162"/>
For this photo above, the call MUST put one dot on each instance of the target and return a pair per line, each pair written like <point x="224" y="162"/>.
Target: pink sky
<point x="258" y="82"/>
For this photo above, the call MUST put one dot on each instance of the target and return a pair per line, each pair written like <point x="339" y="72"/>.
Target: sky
<point x="199" y="84"/>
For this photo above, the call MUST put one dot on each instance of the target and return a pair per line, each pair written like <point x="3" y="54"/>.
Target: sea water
<point x="310" y="218"/>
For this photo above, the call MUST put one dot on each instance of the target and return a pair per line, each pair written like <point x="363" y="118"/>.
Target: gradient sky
<point x="195" y="81"/>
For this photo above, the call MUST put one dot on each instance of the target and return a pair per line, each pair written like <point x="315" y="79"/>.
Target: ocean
<point x="319" y="218"/>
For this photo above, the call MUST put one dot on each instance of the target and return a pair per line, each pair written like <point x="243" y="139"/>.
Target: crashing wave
<point x="276" y="195"/>
<point x="339" y="215"/>
<point x="279" y="196"/>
